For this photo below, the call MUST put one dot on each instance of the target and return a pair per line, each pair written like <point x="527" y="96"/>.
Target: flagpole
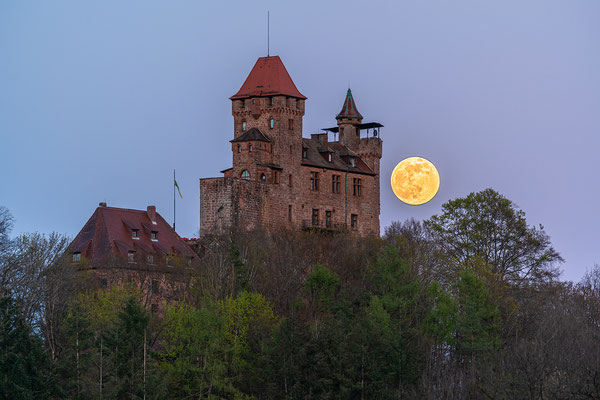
<point x="174" y="199"/>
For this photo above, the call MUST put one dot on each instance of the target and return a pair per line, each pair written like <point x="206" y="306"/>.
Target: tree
<point x="487" y="226"/>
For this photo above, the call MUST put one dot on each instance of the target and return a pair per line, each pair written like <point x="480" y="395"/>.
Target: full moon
<point x="415" y="180"/>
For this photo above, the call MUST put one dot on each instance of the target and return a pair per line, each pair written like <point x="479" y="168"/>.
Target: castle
<point x="280" y="179"/>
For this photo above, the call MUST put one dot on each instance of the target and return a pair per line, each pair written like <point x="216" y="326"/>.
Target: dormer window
<point x="154" y="236"/>
<point x="271" y="123"/>
<point x="131" y="256"/>
<point x="76" y="257"/>
<point x="134" y="234"/>
<point x="352" y="162"/>
<point x="243" y="125"/>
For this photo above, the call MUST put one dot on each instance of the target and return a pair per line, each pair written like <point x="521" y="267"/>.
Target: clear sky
<point x="101" y="100"/>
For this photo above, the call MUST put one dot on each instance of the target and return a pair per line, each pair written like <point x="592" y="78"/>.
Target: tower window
<point x="243" y="125"/>
<point x="271" y="123"/>
<point x="335" y="184"/>
<point x="354" y="221"/>
<point x="290" y="124"/>
<point x="290" y="180"/>
<point x="275" y="177"/>
<point x="76" y="257"/>
<point x="239" y="148"/>
<point x="250" y="148"/>
<point x="357" y="187"/>
<point x="314" y="181"/>
<point x="290" y="213"/>
<point x="263" y="178"/>
<point x="245" y="175"/>
<point x="271" y="100"/>
<point x="315" y="217"/>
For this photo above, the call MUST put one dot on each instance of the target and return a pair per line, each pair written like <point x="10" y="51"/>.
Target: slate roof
<point x="268" y="78"/>
<point x="340" y="159"/>
<point x="252" y="134"/>
<point x="349" y="110"/>
<point x="108" y="233"/>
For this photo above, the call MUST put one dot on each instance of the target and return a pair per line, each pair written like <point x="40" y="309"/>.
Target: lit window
<point x="271" y="123"/>
<point x="246" y="175"/>
<point x="250" y="148"/>
<point x="263" y="178"/>
<point x="243" y="125"/>
<point x="150" y="259"/>
<point x="76" y="257"/>
<point x="356" y="187"/>
<point x="315" y="217"/>
<point x="314" y="181"/>
<point x="335" y="183"/>
<point x="131" y="256"/>
<point x="134" y="234"/>
<point x="154" y="235"/>
<point x="354" y="221"/>
<point x="239" y="148"/>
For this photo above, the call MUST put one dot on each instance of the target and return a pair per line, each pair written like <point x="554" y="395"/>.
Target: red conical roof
<point x="349" y="110"/>
<point x="268" y="78"/>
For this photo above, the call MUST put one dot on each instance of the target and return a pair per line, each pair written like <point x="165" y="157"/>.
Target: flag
<point x="177" y="186"/>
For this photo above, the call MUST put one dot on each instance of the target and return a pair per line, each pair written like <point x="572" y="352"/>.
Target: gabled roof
<point x="339" y="160"/>
<point x="349" y="110"/>
<point x="108" y="234"/>
<point x="252" y="134"/>
<point x="268" y="78"/>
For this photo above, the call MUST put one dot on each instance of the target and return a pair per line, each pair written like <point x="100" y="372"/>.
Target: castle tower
<point x="267" y="113"/>
<point x="347" y="121"/>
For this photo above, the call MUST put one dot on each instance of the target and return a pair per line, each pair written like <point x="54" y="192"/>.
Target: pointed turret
<point x="349" y="110"/>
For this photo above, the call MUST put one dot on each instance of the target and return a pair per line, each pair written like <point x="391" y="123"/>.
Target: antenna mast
<point x="268" y="34"/>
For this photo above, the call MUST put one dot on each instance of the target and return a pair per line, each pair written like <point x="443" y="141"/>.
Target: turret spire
<point x="349" y="110"/>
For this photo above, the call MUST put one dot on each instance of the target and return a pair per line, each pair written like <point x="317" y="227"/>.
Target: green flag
<point x="177" y="186"/>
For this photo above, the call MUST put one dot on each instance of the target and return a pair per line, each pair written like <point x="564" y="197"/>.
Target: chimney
<point x="151" y="210"/>
<point x="102" y="204"/>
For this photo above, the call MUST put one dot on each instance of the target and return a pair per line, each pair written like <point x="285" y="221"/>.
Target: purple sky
<point x="100" y="101"/>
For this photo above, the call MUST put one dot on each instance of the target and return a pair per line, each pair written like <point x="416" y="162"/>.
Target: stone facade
<point x="280" y="179"/>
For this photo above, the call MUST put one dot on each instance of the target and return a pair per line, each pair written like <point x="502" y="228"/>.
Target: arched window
<point x="245" y="175"/>
<point x="271" y="123"/>
<point x="243" y="125"/>
<point x="263" y="178"/>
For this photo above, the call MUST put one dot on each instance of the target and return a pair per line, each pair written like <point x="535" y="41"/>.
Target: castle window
<point x="352" y="162"/>
<point x="314" y="181"/>
<point x="154" y="236"/>
<point x="304" y="153"/>
<point x="271" y="123"/>
<point x="329" y="157"/>
<point x="245" y="175"/>
<point x="263" y="178"/>
<point x="76" y="257"/>
<point x="328" y="219"/>
<point x="356" y="187"/>
<point x="290" y="124"/>
<point x="275" y="177"/>
<point x="315" y="217"/>
<point x="134" y="234"/>
<point x="335" y="184"/>
<point x="354" y="221"/>
<point x="150" y="259"/>
<point x="131" y="256"/>
<point x="250" y="148"/>
<point x="290" y="180"/>
<point x="154" y="286"/>
<point x="271" y="100"/>
<point x="290" y="213"/>
<point x="239" y="148"/>
<point x="243" y="125"/>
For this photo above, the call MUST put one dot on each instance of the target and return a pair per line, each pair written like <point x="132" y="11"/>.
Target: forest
<point x="468" y="304"/>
